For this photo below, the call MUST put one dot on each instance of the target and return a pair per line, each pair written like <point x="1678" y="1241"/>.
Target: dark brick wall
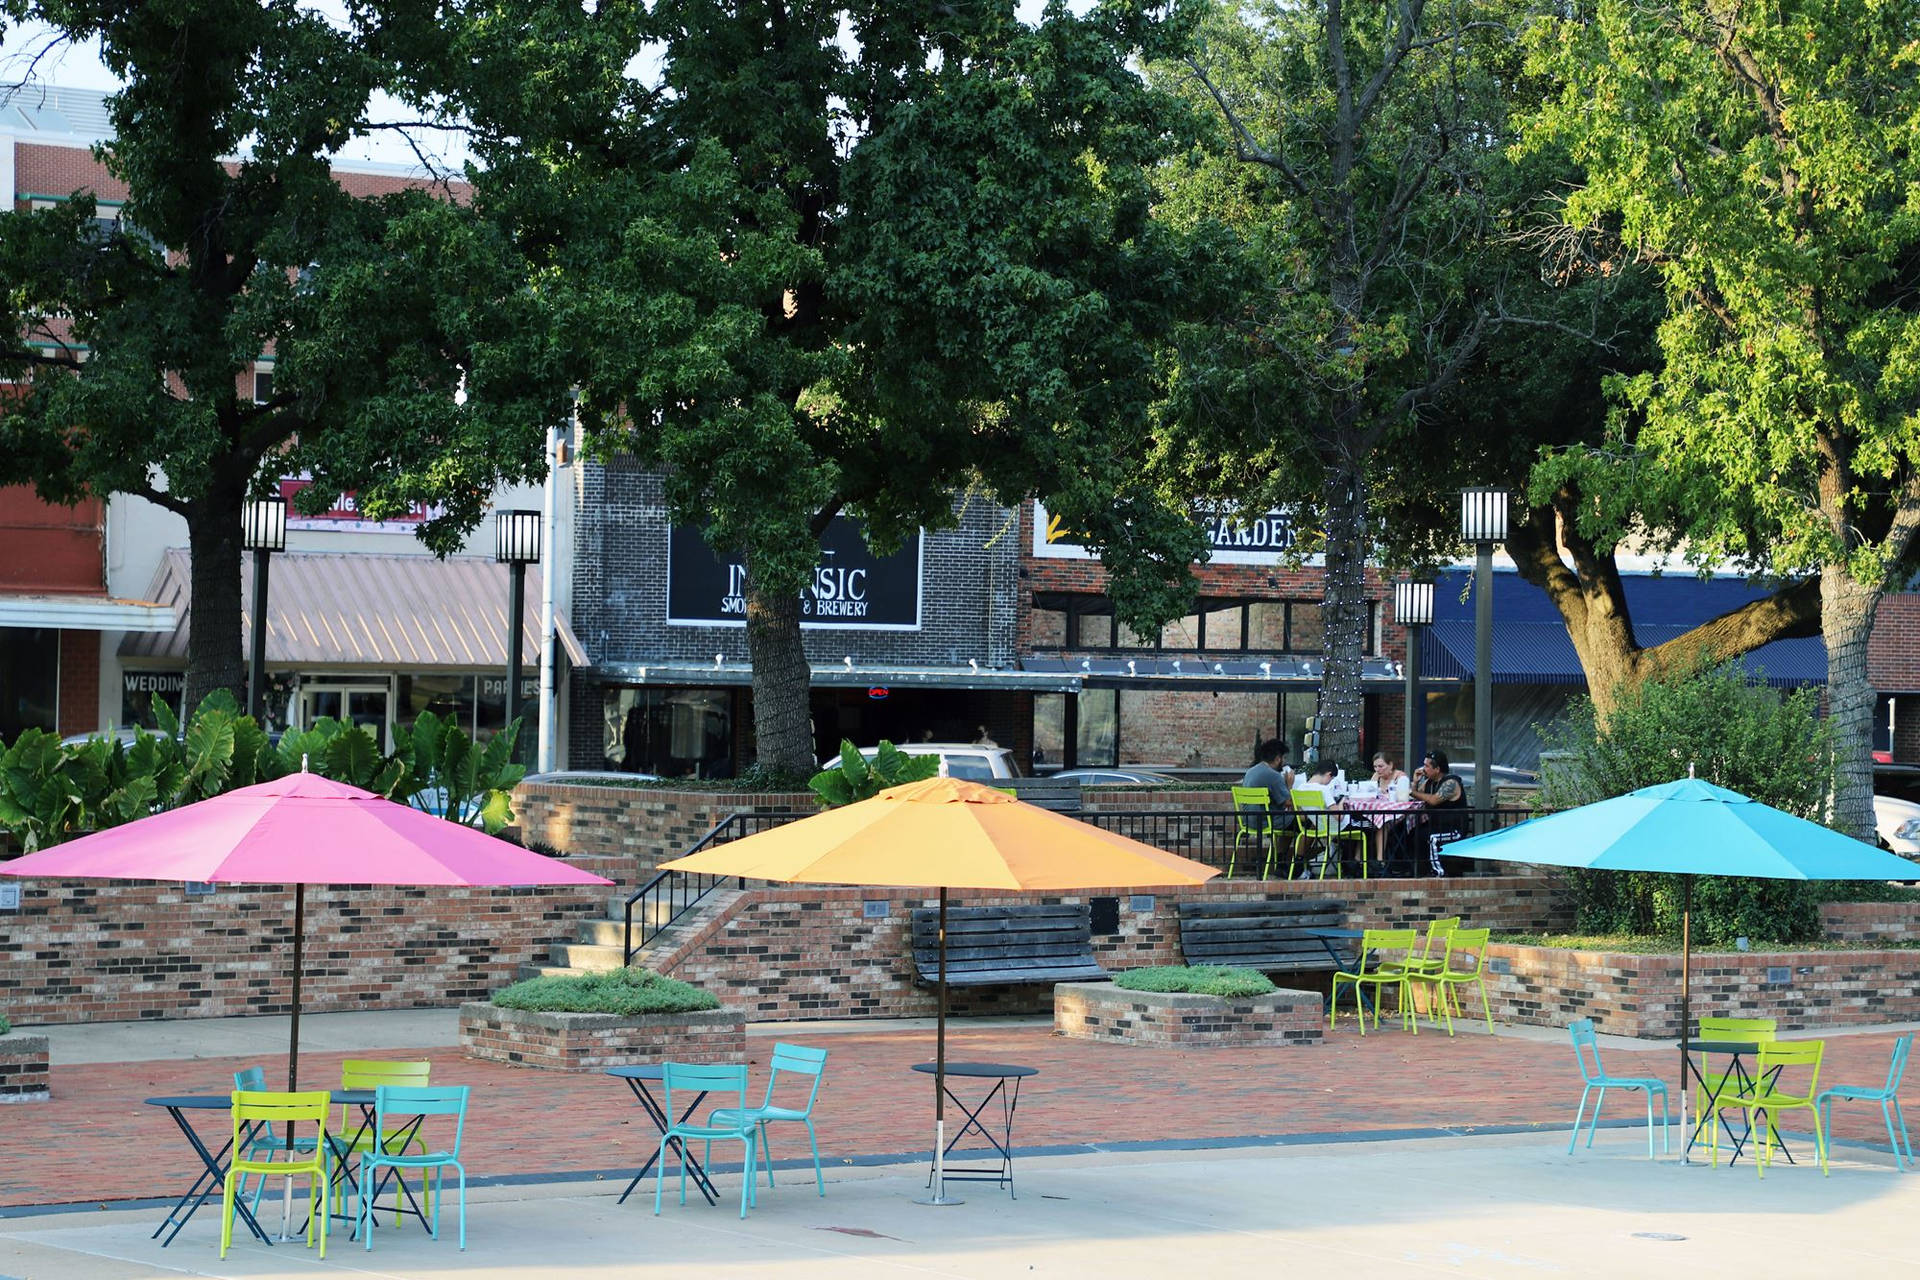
<point x="967" y="611"/>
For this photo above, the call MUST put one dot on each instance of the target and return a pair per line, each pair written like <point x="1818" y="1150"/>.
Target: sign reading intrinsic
<point x="852" y="589"/>
<point x="1262" y="539"/>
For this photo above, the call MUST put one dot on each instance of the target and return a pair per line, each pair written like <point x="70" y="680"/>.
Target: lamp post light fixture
<point x="1483" y="522"/>
<point x="1413" y="609"/>
<point x="516" y="544"/>
<point x="263" y="531"/>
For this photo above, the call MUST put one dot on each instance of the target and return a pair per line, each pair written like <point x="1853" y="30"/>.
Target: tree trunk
<point x="782" y="681"/>
<point x="1847" y="613"/>
<point x="1343" y="613"/>
<point x="215" y="656"/>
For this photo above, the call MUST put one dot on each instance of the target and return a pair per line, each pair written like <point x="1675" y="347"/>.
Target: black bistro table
<point x="213" y="1165"/>
<point x="1328" y="938"/>
<point x="1006" y="1077"/>
<point x="638" y="1076"/>
<point x="1736" y="1052"/>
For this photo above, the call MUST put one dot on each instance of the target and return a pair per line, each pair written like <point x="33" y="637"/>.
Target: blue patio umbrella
<point x="1688" y="828"/>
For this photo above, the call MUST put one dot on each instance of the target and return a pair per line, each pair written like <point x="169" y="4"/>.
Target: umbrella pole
<point x="1686" y="1002"/>
<point x="293" y="1052"/>
<point x="939" y="1195"/>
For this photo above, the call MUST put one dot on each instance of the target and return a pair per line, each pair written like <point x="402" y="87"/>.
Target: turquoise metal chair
<point x="790" y="1060"/>
<point x="1888" y="1098"/>
<point x="1585" y="1045"/>
<point x="407" y="1102"/>
<point x="263" y="1142"/>
<point x="709" y="1078"/>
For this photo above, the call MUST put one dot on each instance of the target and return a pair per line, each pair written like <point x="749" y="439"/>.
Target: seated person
<point x="1270" y="770"/>
<point x="1384" y="773"/>
<point x="1445" y="796"/>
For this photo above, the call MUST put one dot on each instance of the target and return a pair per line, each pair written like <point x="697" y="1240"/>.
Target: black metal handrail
<point x="678" y="892"/>
<point x="1207" y="835"/>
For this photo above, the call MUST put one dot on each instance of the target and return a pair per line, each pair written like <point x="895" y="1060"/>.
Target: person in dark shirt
<point x="1437" y="787"/>
<point x="1270" y="770"/>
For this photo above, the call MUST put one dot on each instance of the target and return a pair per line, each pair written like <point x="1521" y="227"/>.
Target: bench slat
<point x="1001" y="946"/>
<point x="1271" y="936"/>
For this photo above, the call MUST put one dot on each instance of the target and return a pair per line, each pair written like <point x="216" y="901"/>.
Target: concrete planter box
<point x="1103" y="1011"/>
<point x="595" y="1041"/>
<point x="23" y="1068"/>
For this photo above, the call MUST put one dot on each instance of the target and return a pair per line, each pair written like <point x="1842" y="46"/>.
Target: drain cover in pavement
<point x="1657" y="1235"/>
<point x="858" y="1231"/>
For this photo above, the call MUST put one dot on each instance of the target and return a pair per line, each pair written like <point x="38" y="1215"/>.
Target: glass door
<point x="360" y="702"/>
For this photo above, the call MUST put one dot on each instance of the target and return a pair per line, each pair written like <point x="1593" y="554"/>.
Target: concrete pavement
<point x="1482" y="1207"/>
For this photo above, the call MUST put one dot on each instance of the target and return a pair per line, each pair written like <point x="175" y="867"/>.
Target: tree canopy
<point x="818" y="260"/>
<point x="1762" y="161"/>
<point x="135" y="336"/>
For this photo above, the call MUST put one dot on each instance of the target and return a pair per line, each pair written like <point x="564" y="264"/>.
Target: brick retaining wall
<point x="1636" y="995"/>
<point x="801" y="952"/>
<point x="103" y="951"/>
<point x="644" y="826"/>
<point x="23" y="1068"/>
<point x="595" y="1041"/>
<point x="1871" y="921"/>
<point x="1182" y="1020"/>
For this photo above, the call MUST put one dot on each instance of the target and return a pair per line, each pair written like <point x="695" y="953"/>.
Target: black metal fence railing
<point x="671" y="894"/>
<point x="1205" y="835"/>
<point x="1208" y="835"/>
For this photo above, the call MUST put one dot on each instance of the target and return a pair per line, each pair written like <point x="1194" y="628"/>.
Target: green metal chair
<point x="1376" y="945"/>
<point x="262" y="1142"/>
<point x="1253" y="820"/>
<point x="710" y="1078"/>
<point x="1767" y="1098"/>
<point x="794" y="1061"/>
<point x="1722" y="1084"/>
<point x="386" y="1152"/>
<point x="1587" y="1045"/>
<point x="1433" y="950"/>
<point x="1888" y="1098"/>
<point x="1448" y="976"/>
<point x="1313" y="822"/>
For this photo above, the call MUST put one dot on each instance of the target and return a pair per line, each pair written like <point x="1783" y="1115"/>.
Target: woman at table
<point x="1384" y="774"/>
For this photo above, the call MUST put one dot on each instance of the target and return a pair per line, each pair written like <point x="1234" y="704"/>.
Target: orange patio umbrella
<point x="946" y="833"/>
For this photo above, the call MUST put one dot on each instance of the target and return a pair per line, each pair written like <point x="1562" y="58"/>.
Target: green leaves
<point x="468" y="784"/>
<point x="854" y="778"/>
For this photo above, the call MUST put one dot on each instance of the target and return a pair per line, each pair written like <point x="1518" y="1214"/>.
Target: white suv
<point x="963" y="759"/>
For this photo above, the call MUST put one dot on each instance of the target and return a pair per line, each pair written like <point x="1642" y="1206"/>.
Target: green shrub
<point x="853" y="777"/>
<point x="5" y="1025"/>
<point x="1201" y="980"/>
<point x="1736" y="733"/>
<point x="622" y="991"/>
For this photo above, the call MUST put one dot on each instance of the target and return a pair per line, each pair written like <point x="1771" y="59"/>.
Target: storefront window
<point x="1048" y="628"/>
<point x="1095" y="631"/>
<point x="1049" y="729"/>
<point x="449" y="697"/>
<point x="1099" y="727"/>
<point x="1267" y="626"/>
<point x="491" y="713"/>
<point x="138" y="689"/>
<point x="1223" y="628"/>
<point x="29" y="679"/>
<point x="1306" y="628"/>
<point x="1181" y="633"/>
<point x="670" y="733"/>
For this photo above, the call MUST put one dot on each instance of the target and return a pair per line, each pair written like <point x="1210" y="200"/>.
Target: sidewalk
<point x="1483" y="1207"/>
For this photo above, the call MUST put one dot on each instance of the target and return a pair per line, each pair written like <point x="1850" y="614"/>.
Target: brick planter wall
<point x="1871" y="921"/>
<point x="1182" y="1020"/>
<point x="1635" y="995"/>
<point x="785" y="952"/>
<point x="95" y="951"/>
<point x="645" y="826"/>
<point x="595" y="1041"/>
<point x="23" y="1068"/>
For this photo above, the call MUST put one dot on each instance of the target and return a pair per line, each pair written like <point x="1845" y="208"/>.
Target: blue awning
<point x="1531" y="644"/>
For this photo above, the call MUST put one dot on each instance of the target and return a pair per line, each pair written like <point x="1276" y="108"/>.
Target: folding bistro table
<point x="638" y="1076"/>
<point x="1000" y="1073"/>
<point x="213" y="1165"/>
<point x="1737" y="1052"/>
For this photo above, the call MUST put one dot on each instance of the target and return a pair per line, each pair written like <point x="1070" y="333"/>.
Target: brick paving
<point x="96" y="1141"/>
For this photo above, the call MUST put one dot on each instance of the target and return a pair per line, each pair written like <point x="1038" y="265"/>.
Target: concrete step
<point x="604" y="933"/>
<point x="587" y="956"/>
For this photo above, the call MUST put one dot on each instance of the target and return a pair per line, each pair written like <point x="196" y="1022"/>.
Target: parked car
<point x="963" y="759"/>
<point x="1897" y="822"/>
<point x="1109" y="777"/>
<point x="1503" y="776"/>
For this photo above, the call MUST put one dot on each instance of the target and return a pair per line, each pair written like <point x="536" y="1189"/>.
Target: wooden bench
<point x="1049" y="793"/>
<point x="991" y="945"/>
<point x="1265" y="935"/>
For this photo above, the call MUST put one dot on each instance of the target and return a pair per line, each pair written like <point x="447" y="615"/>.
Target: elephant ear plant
<point x="852" y="778"/>
<point x="469" y="784"/>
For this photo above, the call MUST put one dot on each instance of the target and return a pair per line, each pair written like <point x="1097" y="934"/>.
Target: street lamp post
<point x="1412" y="609"/>
<point x="263" y="531"/>
<point x="516" y="544"/>
<point x="1483" y="522"/>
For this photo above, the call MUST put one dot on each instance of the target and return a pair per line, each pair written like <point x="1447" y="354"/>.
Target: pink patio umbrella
<point x="301" y="829"/>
